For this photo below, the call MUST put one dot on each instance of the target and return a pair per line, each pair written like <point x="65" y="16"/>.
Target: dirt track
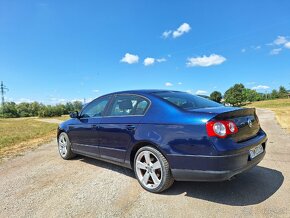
<point x="41" y="184"/>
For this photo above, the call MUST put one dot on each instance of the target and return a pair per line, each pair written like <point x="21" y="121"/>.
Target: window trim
<point x="130" y="94"/>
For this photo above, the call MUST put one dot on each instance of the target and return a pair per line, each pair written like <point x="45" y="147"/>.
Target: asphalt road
<point x="41" y="184"/>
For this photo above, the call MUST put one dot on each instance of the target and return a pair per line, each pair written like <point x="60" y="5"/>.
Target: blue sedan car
<point x="165" y="136"/>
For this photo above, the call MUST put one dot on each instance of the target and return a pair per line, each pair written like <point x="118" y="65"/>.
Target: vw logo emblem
<point x="250" y="123"/>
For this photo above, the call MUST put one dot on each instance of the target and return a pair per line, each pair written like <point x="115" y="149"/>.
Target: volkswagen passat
<point x="165" y="136"/>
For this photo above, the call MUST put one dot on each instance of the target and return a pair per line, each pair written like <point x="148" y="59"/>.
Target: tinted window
<point x="125" y="105"/>
<point x="187" y="101"/>
<point x="96" y="108"/>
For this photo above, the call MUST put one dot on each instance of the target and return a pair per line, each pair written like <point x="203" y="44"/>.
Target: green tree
<point x="251" y="95"/>
<point x="23" y="109"/>
<point x="235" y="95"/>
<point x="282" y="92"/>
<point x="9" y="110"/>
<point x="34" y="108"/>
<point x="216" y="96"/>
<point x="274" y="94"/>
<point x="77" y="105"/>
<point x="69" y="107"/>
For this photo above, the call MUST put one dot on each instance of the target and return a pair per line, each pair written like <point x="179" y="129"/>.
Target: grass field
<point x="281" y="107"/>
<point x="63" y="117"/>
<point x="19" y="134"/>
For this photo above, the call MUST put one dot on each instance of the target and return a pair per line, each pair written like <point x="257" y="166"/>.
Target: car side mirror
<point x="74" y="114"/>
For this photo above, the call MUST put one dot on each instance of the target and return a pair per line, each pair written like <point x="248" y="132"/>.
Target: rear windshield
<point x="187" y="101"/>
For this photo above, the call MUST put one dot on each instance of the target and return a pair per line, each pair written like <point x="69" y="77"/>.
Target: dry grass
<point x="18" y="135"/>
<point x="63" y="117"/>
<point x="281" y="107"/>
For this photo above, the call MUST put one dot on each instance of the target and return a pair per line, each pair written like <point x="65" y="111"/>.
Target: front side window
<point x="128" y="105"/>
<point x="187" y="101"/>
<point x="96" y="108"/>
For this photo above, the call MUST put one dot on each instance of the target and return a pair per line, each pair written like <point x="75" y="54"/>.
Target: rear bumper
<point x="213" y="175"/>
<point x="215" y="168"/>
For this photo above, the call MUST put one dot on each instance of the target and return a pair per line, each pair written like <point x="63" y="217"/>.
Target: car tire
<point x="152" y="170"/>
<point x="64" y="146"/>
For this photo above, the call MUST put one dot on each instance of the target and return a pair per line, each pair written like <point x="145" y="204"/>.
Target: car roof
<point x="143" y="91"/>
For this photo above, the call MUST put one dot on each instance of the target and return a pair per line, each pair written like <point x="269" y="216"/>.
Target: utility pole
<point x="3" y="91"/>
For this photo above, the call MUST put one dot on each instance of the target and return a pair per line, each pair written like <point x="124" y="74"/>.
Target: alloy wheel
<point x="148" y="169"/>
<point x="62" y="145"/>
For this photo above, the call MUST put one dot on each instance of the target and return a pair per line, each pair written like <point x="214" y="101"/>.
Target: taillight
<point x="221" y="128"/>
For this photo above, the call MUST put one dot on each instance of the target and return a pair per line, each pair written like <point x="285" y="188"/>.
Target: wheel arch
<point x="59" y="131"/>
<point x="141" y="144"/>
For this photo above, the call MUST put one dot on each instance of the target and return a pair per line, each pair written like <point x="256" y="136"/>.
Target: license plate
<point x="254" y="152"/>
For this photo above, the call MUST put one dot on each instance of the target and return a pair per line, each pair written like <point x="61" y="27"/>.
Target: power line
<point x="4" y="89"/>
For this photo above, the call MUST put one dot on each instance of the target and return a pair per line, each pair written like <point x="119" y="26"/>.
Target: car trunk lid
<point x="245" y="119"/>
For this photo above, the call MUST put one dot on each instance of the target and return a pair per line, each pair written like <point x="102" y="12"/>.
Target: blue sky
<point x="56" y="51"/>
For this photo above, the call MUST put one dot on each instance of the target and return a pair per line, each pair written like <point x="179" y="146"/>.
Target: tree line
<point x="238" y="95"/>
<point x="24" y="109"/>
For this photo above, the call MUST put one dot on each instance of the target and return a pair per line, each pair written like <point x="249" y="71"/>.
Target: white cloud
<point x="8" y="99"/>
<point x="62" y="100"/>
<point x="179" y="83"/>
<point x="201" y="92"/>
<point x="260" y="87"/>
<point x="280" y="40"/>
<point x="22" y="100"/>
<point x="95" y="90"/>
<point x="190" y="91"/>
<point x="243" y="50"/>
<point x="159" y="60"/>
<point x="54" y="100"/>
<point x="130" y="58"/>
<point x="287" y="45"/>
<point x="149" y="61"/>
<point x="166" y="34"/>
<point x="205" y="61"/>
<point x="183" y="28"/>
<point x="275" y="51"/>
<point x="168" y="84"/>
<point x="77" y="99"/>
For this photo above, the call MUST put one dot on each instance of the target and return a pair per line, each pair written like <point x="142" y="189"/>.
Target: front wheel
<point x="64" y="147"/>
<point x="152" y="170"/>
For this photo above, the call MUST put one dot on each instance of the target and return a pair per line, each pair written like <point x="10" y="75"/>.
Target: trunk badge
<point x="250" y="123"/>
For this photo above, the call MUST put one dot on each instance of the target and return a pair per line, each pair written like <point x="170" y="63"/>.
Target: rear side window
<point x="186" y="101"/>
<point x="128" y="105"/>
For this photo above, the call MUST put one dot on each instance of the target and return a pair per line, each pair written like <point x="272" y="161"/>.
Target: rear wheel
<point x="64" y="147"/>
<point x="152" y="170"/>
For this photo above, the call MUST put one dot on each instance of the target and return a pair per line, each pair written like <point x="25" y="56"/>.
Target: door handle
<point x="130" y="127"/>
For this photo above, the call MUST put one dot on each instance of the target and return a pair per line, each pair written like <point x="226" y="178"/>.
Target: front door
<point x="83" y="133"/>
<point x="117" y="129"/>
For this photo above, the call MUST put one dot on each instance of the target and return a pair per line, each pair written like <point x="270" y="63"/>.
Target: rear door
<point x="84" y="132"/>
<point x="117" y="128"/>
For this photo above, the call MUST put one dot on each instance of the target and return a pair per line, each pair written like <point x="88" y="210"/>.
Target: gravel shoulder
<point x="40" y="183"/>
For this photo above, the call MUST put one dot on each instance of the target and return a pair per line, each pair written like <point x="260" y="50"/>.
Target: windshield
<point x="187" y="101"/>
